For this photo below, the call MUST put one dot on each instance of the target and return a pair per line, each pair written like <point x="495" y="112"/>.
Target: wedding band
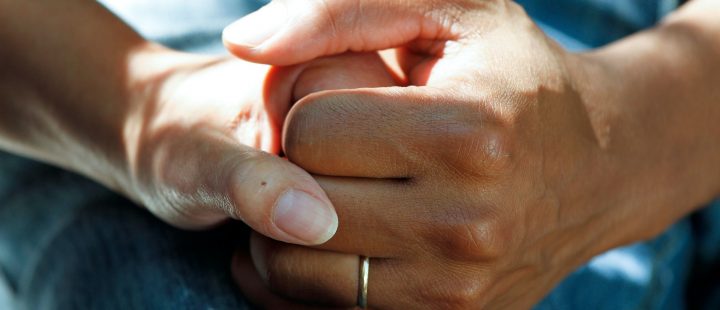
<point x="363" y="282"/>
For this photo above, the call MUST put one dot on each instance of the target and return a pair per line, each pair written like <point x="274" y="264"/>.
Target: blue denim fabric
<point x="67" y="243"/>
<point x="592" y="23"/>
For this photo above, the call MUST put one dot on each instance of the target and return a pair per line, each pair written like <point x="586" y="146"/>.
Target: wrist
<point x="77" y="114"/>
<point x="152" y="72"/>
<point x="658" y="157"/>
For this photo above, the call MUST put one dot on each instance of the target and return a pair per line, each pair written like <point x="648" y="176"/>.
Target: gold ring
<point x="363" y="282"/>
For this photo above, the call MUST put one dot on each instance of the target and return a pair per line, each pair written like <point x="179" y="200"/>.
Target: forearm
<point x="654" y="102"/>
<point x="71" y="75"/>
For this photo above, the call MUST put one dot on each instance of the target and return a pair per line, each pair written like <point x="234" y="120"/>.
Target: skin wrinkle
<point x="526" y="99"/>
<point x="140" y="125"/>
<point x="184" y="192"/>
<point x="342" y="112"/>
<point x="503" y="282"/>
<point x="472" y="229"/>
<point x="326" y="8"/>
<point x="13" y="90"/>
<point x="210" y="204"/>
<point x="528" y="112"/>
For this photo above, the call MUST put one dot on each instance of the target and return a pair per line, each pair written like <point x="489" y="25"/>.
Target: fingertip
<point x="282" y="201"/>
<point x="258" y="27"/>
<point x="253" y="287"/>
<point x="249" y="281"/>
<point x="241" y="266"/>
<point x="257" y="54"/>
<point x="240" y="51"/>
<point x="252" y="37"/>
<point x="268" y="53"/>
<point x="305" y="216"/>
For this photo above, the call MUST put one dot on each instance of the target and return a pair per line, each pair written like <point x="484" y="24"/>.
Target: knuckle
<point x="172" y="171"/>
<point x="485" y="154"/>
<point x="473" y="144"/>
<point x="240" y="180"/>
<point x="476" y="240"/>
<point x="178" y="183"/>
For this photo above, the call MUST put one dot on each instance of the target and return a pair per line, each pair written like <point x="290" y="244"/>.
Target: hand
<point x="181" y="134"/>
<point x="481" y="187"/>
<point x="204" y="146"/>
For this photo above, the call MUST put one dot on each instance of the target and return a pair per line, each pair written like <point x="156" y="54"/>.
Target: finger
<point x="286" y="85"/>
<point x="374" y="216"/>
<point x="291" y="31"/>
<point x="332" y="279"/>
<point x="382" y="133"/>
<point x="346" y="71"/>
<point x="208" y="176"/>
<point x="254" y="289"/>
<point x="390" y="219"/>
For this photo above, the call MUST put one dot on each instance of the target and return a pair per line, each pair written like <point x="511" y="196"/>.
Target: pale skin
<point x="194" y="139"/>
<point x="509" y="162"/>
<point x="482" y="186"/>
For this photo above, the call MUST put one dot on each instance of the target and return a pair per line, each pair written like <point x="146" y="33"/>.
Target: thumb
<point x="287" y="32"/>
<point x="208" y="176"/>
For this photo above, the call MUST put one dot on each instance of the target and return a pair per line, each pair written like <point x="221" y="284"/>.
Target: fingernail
<point x="305" y="217"/>
<point x="256" y="28"/>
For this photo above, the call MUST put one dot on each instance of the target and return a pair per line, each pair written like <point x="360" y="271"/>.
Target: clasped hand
<point x="473" y="187"/>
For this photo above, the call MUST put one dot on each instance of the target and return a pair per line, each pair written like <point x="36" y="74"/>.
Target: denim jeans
<point x="68" y="243"/>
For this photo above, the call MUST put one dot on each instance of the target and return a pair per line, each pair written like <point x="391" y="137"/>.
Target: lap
<point x="66" y="243"/>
